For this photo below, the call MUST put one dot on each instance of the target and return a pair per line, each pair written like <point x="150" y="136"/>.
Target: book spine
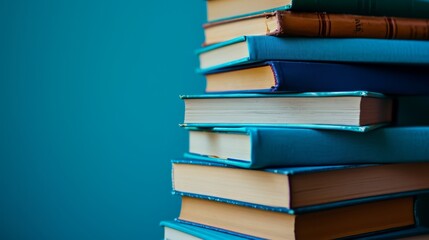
<point x="398" y="8"/>
<point x="355" y="26"/>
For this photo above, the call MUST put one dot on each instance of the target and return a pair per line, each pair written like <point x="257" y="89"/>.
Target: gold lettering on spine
<point x="358" y="25"/>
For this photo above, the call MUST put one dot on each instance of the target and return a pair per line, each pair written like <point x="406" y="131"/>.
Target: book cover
<point x="297" y="76"/>
<point x="411" y="110"/>
<point x="227" y="9"/>
<point x="271" y="147"/>
<point x="292" y="189"/>
<point x="251" y="49"/>
<point x="317" y="24"/>
<point x="198" y="232"/>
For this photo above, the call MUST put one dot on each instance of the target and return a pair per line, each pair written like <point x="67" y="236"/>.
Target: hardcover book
<point x="174" y="230"/>
<point x="332" y="223"/>
<point x="254" y="147"/>
<point x="356" y="111"/>
<point x="177" y="230"/>
<point x="292" y="76"/>
<point x="312" y="24"/>
<point x="251" y="49"/>
<point x="298" y="189"/>
<point x="227" y="9"/>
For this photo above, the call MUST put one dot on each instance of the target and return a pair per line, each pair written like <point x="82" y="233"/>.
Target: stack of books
<point x="311" y="127"/>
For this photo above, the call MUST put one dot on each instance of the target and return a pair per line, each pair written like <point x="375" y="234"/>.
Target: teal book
<point x="296" y="190"/>
<point x="354" y="111"/>
<point x="230" y="9"/>
<point x="175" y="230"/>
<point x="262" y="147"/>
<point x="253" y="49"/>
<point x="333" y="223"/>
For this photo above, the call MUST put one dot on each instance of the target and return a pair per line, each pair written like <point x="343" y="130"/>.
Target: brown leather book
<point x="325" y="25"/>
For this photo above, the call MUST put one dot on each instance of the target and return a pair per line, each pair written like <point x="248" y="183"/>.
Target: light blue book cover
<point x="279" y="147"/>
<point x="252" y="49"/>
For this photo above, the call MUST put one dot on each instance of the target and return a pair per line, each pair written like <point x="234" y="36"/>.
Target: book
<point x="316" y="24"/>
<point x="325" y="224"/>
<point x="356" y="111"/>
<point x="176" y="230"/>
<point x="227" y="9"/>
<point x="296" y="76"/>
<point x="261" y="147"/>
<point x="251" y="49"/>
<point x="298" y="189"/>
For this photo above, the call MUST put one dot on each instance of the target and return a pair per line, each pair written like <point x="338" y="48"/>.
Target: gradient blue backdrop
<point x="89" y="115"/>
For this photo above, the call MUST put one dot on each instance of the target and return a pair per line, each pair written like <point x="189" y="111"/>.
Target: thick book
<point x="316" y="24"/>
<point x="177" y="230"/>
<point x="355" y="111"/>
<point x="254" y="147"/>
<point x="174" y="230"/>
<point x="251" y="49"/>
<point x="347" y="221"/>
<point x="296" y="76"/>
<point x="298" y="189"/>
<point x="227" y="9"/>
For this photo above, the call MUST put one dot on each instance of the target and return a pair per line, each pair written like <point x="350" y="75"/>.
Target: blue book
<point x="334" y="223"/>
<point x="254" y="147"/>
<point x="175" y="230"/>
<point x="296" y="190"/>
<point x="295" y="76"/>
<point x="354" y="111"/>
<point x="251" y="49"/>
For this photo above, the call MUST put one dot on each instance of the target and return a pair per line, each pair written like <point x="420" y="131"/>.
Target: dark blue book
<point x="296" y="190"/>
<point x="254" y="147"/>
<point x="295" y="76"/>
<point x="251" y="49"/>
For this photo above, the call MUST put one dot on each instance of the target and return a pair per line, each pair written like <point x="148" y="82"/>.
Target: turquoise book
<point x="354" y="111"/>
<point x="296" y="190"/>
<point x="230" y="9"/>
<point x="253" y="49"/>
<point x="175" y="230"/>
<point x="262" y="147"/>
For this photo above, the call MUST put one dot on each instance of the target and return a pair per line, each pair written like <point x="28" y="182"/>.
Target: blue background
<point x="90" y="112"/>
